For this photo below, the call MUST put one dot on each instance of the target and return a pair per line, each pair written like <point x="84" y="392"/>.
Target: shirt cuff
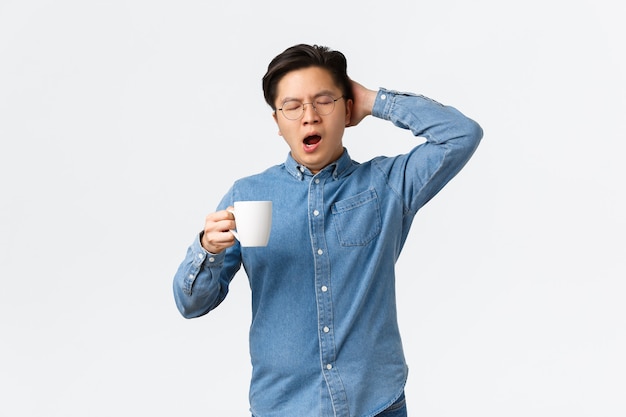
<point x="385" y="102"/>
<point x="200" y="254"/>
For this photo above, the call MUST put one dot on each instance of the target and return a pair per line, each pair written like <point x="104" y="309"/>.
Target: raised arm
<point x="451" y="139"/>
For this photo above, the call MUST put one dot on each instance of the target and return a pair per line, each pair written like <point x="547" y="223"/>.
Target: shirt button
<point x="329" y="367"/>
<point x="316" y="213"/>
<point x="324" y="288"/>
<point x="211" y="259"/>
<point x="320" y="252"/>
<point x="200" y="256"/>
<point x="326" y="329"/>
<point x="317" y="180"/>
<point x="383" y="97"/>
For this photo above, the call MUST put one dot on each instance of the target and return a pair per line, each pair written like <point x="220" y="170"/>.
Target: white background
<point x="122" y="123"/>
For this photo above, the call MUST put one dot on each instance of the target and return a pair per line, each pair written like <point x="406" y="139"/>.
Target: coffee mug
<point x="253" y="220"/>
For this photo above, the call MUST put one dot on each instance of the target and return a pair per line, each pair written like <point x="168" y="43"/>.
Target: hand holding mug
<point x="217" y="235"/>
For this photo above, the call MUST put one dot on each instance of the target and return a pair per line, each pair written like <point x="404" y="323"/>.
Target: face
<point x="315" y="141"/>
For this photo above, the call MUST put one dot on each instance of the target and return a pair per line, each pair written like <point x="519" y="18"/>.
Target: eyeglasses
<point x="323" y="105"/>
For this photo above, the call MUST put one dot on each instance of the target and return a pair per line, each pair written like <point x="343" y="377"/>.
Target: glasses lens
<point x="324" y="105"/>
<point x="292" y="109"/>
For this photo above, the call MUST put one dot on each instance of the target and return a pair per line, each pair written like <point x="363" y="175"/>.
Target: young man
<point x="324" y="339"/>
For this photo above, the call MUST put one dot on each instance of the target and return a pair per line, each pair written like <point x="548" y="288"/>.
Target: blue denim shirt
<point x="324" y="338"/>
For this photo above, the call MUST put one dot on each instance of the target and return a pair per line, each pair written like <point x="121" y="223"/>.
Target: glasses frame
<point x="312" y="105"/>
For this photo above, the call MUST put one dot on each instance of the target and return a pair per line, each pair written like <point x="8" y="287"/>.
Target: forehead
<point x="305" y="83"/>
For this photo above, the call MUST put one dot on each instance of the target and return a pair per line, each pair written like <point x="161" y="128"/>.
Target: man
<point x="324" y="338"/>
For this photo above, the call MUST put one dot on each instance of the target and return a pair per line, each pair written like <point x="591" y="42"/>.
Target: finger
<point x="217" y="217"/>
<point x="215" y="242"/>
<point x="220" y="238"/>
<point x="224" y="225"/>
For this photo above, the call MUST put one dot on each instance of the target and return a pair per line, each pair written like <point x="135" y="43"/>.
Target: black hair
<point x="304" y="56"/>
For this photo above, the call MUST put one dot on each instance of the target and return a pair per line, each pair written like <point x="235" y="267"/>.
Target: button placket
<point x="323" y="291"/>
<point x="321" y="268"/>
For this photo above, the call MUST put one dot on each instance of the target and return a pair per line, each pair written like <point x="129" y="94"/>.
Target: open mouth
<point x="311" y="141"/>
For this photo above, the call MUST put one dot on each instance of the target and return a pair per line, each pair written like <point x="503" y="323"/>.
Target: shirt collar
<point x="336" y="169"/>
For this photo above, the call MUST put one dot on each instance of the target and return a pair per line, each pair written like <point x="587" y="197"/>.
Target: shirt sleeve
<point x="202" y="280"/>
<point x="451" y="139"/>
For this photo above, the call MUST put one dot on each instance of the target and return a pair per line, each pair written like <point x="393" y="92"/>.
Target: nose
<point x="310" y="115"/>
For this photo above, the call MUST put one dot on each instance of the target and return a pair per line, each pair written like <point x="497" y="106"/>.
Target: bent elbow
<point x="186" y="306"/>
<point x="189" y="312"/>
<point x="474" y="132"/>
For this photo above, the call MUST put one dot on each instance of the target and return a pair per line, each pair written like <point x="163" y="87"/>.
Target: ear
<point x="276" y="120"/>
<point x="349" y="104"/>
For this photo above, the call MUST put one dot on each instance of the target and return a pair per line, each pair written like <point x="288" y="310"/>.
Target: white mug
<point x="253" y="220"/>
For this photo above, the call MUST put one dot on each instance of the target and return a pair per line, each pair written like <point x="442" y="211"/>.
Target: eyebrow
<point x="321" y="93"/>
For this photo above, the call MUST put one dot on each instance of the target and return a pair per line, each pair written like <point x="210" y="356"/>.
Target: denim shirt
<point x="324" y="338"/>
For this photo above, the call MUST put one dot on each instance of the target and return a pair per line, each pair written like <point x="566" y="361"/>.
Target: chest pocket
<point x="357" y="219"/>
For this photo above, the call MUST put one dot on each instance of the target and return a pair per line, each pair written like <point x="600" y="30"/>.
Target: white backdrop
<point x="122" y="123"/>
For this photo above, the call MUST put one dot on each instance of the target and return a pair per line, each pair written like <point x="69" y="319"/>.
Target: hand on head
<point x="363" y="103"/>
